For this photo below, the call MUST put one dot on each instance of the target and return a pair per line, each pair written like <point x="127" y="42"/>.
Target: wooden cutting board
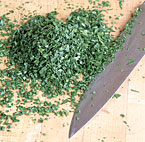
<point x="108" y="125"/>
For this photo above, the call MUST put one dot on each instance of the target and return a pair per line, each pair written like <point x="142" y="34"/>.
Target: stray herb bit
<point x="44" y="134"/>
<point x="94" y="92"/>
<point x="121" y="70"/>
<point x="124" y="122"/>
<point x="77" y="118"/>
<point x="40" y="120"/>
<point x="78" y="111"/>
<point x="11" y="11"/>
<point x="116" y="96"/>
<point x="107" y="91"/>
<point x="105" y="3"/>
<point x="130" y="62"/>
<point x="92" y="105"/>
<point x="113" y="23"/>
<point x="140" y="23"/>
<point x="143" y="34"/>
<point x="117" y="18"/>
<point x="121" y="14"/>
<point x="122" y="115"/>
<point x="134" y="91"/>
<point x="120" y="3"/>
<point x="92" y="98"/>
<point x="90" y="1"/>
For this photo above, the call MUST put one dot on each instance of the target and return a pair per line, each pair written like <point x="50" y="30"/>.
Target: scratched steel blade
<point x="109" y="81"/>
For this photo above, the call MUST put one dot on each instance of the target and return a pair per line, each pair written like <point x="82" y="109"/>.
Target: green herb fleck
<point x="134" y="91"/>
<point x="44" y="134"/>
<point x="105" y="3"/>
<point x="120" y="3"/>
<point x="116" y="96"/>
<point x="94" y="92"/>
<point x="77" y="118"/>
<point x="121" y="70"/>
<point x="122" y="115"/>
<point x="130" y="62"/>
<point x="124" y="122"/>
<point x="92" y="98"/>
<point x="143" y="34"/>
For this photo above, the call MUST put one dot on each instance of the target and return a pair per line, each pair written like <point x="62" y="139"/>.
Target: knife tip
<point x="71" y="133"/>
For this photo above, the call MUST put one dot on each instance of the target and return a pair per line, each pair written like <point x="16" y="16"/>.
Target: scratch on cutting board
<point x="30" y="136"/>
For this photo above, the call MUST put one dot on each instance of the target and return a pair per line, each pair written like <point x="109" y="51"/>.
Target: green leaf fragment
<point x="105" y="3"/>
<point x="2" y="128"/>
<point x="90" y="1"/>
<point x="140" y="23"/>
<point x="143" y="34"/>
<point x="130" y="62"/>
<point x="133" y="90"/>
<point x="77" y="118"/>
<point x="11" y="11"/>
<point x="121" y="3"/>
<point x="122" y="115"/>
<point x="116" y="96"/>
<point x="121" y="70"/>
<point x="124" y="122"/>
<point x="44" y="134"/>
<point x="92" y="98"/>
<point x="121" y="14"/>
<point x="94" y="92"/>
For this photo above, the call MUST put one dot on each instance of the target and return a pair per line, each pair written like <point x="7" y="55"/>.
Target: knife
<point x="110" y="80"/>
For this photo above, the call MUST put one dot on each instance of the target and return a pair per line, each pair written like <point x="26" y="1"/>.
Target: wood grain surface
<point x="107" y="125"/>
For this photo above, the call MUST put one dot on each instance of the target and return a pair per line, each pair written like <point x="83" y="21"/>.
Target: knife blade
<point x="110" y="80"/>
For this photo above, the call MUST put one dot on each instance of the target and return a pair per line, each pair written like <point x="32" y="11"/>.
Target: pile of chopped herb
<point x="51" y="55"/>
<point x="54" y="52"/>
